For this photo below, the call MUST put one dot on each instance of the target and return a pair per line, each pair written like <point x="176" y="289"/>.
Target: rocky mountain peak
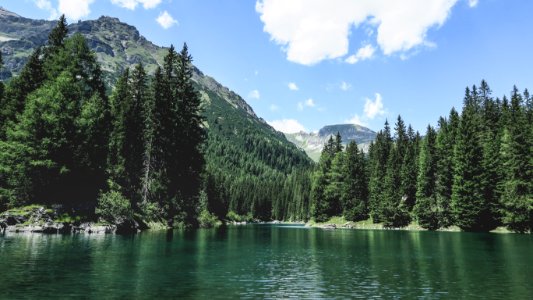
<point x="6" y="13"/>
<point x="312" y="143"/>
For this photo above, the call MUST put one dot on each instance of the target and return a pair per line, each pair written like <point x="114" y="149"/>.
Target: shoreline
<point x="341" y="223"/>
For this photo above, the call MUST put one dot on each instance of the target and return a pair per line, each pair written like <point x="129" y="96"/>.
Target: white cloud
<point x="165" y="20"/>
<point x="292" y="86"/>
<point x="363" y="53"/>
<point x="472" y="3"/>
<point x="356" y="120"/>
<point x="273" y="107"/>
<point x="132" y="4"/>
<point x="47" y="5"/>
<point x="287" y="125"/>
<point x="345" y="86"/>
<point x="75" y="9"/>
<point x="307" y="103"/>
<point x="374" y="107"/>
<point x="254" y="95"/>
<point x="314" y="30"/>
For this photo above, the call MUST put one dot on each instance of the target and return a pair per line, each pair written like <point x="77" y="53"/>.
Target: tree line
<point x="474" y="171"/>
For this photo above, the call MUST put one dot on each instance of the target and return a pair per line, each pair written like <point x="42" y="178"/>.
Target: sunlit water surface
<point x="267" y="261"/>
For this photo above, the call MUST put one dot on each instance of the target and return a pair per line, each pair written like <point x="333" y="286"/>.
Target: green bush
<point x="233" y="216"/>
<point x="113" y="207"/>
<point x="207" y="219"/>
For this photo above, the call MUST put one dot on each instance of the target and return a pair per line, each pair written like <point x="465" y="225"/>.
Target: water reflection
<point x="265" y="261"/>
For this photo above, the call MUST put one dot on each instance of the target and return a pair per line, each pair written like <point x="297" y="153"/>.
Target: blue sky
<point x="303" y="64"/>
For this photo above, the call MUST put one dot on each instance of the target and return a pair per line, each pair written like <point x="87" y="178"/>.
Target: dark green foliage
<point x="379" y="152"/>
<point x="113" y="207"/>
<point x="427" y="208"/>
<point x="409" y="169"/>
<point x="472" y="210"/>
<point x="516" y="152"/>
<point x="395" y="211"/>
<point x="31" y="77"/>
<point x="328" y="181"/>
<point x="58" y="35"/>
<point x="445" y="142"/>
<point x="355" y="189"/>
<point x="251" y="169"/>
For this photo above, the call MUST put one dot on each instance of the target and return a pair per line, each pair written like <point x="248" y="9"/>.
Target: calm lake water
<point x="268" y="261"/>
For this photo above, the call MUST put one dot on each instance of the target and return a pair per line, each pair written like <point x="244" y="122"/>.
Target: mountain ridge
<point x="313" y="142"/>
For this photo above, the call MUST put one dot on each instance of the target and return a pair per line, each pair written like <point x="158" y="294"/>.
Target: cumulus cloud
<point x="307" y="103"/>
<point x="363" y="53"/>
<point x="75" y="9"/>
<point x="345" y="86"/>
<point x="166" y="20"/>
<point x="47" y="5"/>
<point x="292" y="86"/>
<point x="374" y="107"/>
<point x="357" y="120"/>
<point x="314" y="30"/>
<point x="132" y="4"/>
<point x="254" y="95"/>
<point x="287" y="125"/>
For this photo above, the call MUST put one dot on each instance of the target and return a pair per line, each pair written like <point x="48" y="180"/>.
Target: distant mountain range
<point x="312" y="143"/>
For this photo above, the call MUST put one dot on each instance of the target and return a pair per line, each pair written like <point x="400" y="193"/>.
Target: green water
<point x="267" y="261"/>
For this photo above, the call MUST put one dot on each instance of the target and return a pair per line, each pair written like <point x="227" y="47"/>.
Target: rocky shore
<point x="38" y="219"/>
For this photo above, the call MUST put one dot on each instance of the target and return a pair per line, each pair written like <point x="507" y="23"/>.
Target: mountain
<point x="246" y="158"/>
<point x="312" y="143"/>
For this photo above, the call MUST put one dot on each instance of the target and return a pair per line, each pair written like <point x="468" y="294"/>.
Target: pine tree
<point x="395" y="213"/>
<point x="355" y="187"/>
<point x="427" y="208"/>
<point x="320" y="207"/>
<point x="57" y="36"/>
<point x="409" y="170"/>
<point x="2" y="88"/>
<point x="335" y="181"/>
<point x="31" y="78"/>
<point x="490" y="139"/>
<point x="379" y="152"/>
<point x="445" y="142"/>
<point x="120" y="100"/>
<point x="192" y="131"/>
<point x="517" y="197"/>
<point x="471" y="210"/>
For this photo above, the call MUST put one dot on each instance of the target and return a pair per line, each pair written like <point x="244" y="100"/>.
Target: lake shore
<point x="341" y="223"/>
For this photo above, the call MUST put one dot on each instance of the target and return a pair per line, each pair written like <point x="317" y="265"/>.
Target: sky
<point x="304" y="64"/>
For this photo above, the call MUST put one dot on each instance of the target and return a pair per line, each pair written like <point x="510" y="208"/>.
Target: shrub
<point x="114" y="208"/>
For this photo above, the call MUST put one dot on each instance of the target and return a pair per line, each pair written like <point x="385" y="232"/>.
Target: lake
<point x="268" y="261"/>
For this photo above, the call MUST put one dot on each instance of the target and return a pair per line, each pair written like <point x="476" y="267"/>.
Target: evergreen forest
<point x="146" y="149"/>
<point x="474" y="171"/>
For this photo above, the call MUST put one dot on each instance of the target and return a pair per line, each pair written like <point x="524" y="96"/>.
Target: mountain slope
<point x="312" y="143"/>
<point x="247" y="159"/>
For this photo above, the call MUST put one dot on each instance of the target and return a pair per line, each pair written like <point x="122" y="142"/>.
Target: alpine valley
<point x="243" y="153"/>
